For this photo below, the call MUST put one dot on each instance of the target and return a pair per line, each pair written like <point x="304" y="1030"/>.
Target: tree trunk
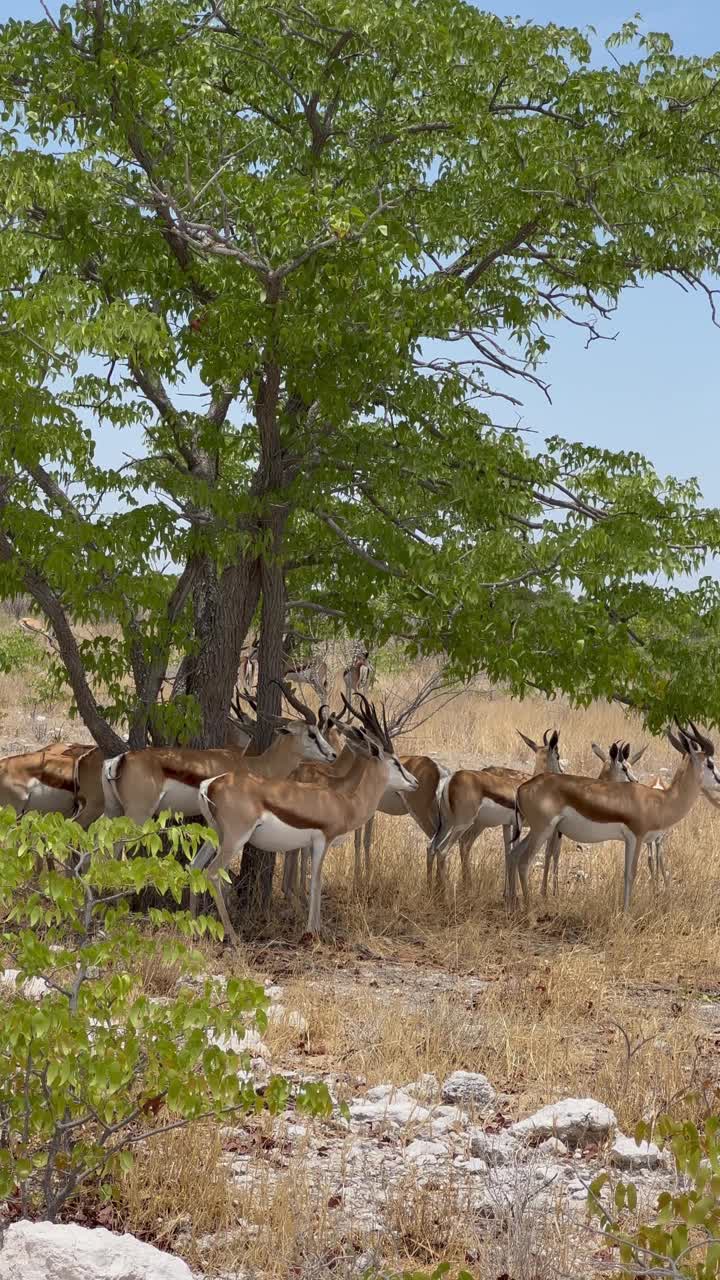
<point x="253" y="884"/>
<point x="225" y="605"/>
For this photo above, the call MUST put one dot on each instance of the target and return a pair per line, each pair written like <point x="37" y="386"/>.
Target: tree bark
<point x="253" y="884"/>
<point x="225" y="605"/>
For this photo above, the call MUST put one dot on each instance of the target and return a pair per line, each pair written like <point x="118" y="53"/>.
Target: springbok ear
<point x="639" y="754"/>
<point x="374" y="748"/>
<point x="554" y="739"/>
<point x="678" y="743"/>
<point x="529" y="742"/>
<point x="626" y="751"/>
<point x="614" y="752"/>
<point x="600" y="752"/>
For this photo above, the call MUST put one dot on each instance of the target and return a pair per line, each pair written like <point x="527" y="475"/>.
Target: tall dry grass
<point x="581" y="1001"/>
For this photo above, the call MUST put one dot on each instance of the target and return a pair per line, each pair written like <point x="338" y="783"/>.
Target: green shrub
<point x="96" y="1065"/>
<point x="18" y="651"/>
<point x="683" y="1237"/>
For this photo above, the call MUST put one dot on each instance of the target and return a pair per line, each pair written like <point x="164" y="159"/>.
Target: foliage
<point x="683" y="1240"/>
<point x="18" y="651"/>
<point x="440" y="1272"/>
<point x="98" y="1065"/>
<point x="282" y="255"/>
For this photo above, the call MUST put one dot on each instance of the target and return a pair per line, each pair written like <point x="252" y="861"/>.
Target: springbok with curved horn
<point x="282" y="815"/>
<point x="139" y="784"/>
<point x="590" y="811"/>
<point x="473" y="800"/>
<point x="617" y="767"/>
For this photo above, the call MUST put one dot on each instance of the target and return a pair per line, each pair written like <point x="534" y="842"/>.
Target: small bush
<point x="683" y="1237"/>
<point x="18" y="652"/>
<point x="96" y="1066"/>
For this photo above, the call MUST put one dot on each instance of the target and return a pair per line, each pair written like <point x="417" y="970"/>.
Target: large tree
<point x="310" y="248"/>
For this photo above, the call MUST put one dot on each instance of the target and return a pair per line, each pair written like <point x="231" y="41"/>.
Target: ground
<point x="582" y="1002"/>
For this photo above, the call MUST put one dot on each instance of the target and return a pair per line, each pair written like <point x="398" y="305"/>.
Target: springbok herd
<point x="326" y="775"/>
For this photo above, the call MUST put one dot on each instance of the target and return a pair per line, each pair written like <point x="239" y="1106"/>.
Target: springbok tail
<point x="517" y="824"/>
<point x="444" y="827"/>
<point x="207" y="850"/>
<point x="109" y="778"/>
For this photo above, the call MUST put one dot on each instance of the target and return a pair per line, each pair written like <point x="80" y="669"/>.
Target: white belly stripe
<point x="492" y="814"/>
<point x="44" y="799"/>
<point x="179" y="798"/>
<point x="585" y="831"/>
<point x="276" y="836"/>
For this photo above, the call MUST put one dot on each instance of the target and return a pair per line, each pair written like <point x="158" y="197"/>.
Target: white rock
<point x="573" y="1121"/>
<point x="553" y="1147"/>
<point x="473" y="1165"/>
<point x="426" y="1089"/>
<point x="447" y="1120"/>
<point x="290" y="1017"/>
<point x="250" y="1042"/>
<point x="425" y="1151"/>
<point x="48" y="1251"/>
<point x="383" y="1103"/>
<point x="494" y="1148"/>
<point x="625" y="1153"/>
<point x="31" y="988"/>
<point x="468" y="1089"/>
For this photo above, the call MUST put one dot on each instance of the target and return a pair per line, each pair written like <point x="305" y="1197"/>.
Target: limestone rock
<point x="385" y="1103"/>
<point x="553" y="1147"/>
<point x="52" y="1251"/>
<point x="574" y="1120"/>
<point x="31" y="988"/>
<point x="425" y="1151"/>
<point x="468" y="1089"/>
<point x="626" y="1153"/>
<point x="426" y="1089"/>
<point x="289" y="1017"/>
<point x="495" y="1148"/>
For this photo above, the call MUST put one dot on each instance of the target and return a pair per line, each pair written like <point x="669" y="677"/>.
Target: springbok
<point x="423" y="805"/>
<point x="313" y="673"/>
<point x="591" y="811"/>
<point x="139" y="784"/>
<point x="474" y="800"/>
<point x="616" y="767"/>
<point x="282" y="816"/>
<point x="248" y="671"/>
<point x="356" y="677"/>
<point x="58" y="779"/>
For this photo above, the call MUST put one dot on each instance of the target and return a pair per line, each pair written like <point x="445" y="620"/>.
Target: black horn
<point x="301" y="708"/>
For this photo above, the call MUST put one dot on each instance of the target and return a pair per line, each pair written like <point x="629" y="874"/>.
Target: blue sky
<point x="656" y="387"/>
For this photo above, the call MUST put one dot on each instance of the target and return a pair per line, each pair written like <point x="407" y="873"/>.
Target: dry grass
<point x="581" y="1001"/>
<point x="563" y="997"/>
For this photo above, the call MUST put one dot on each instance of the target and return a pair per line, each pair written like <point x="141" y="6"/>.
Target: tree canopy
<point x="309" y="248"/>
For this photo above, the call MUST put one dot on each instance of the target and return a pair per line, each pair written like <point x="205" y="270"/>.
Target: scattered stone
<point x="495" y="1148"/>
<point x="447" y="1119"/>
<point x="473" y="1165"/>
<point x="626" y="1153"/>
<point x="52" y="1251"/>
<point x="385" y="1103"/>
<point x="426" y="1089"/>
<point x="290" y="1017"/>
<point x="425" y="1151"/>
<point x="31" y="988"/>
<point x="469" y="1089"/>
<point x="553" y="1147"/>
<point x="250" y="1042"/>
<point x="574" y="1120"/>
